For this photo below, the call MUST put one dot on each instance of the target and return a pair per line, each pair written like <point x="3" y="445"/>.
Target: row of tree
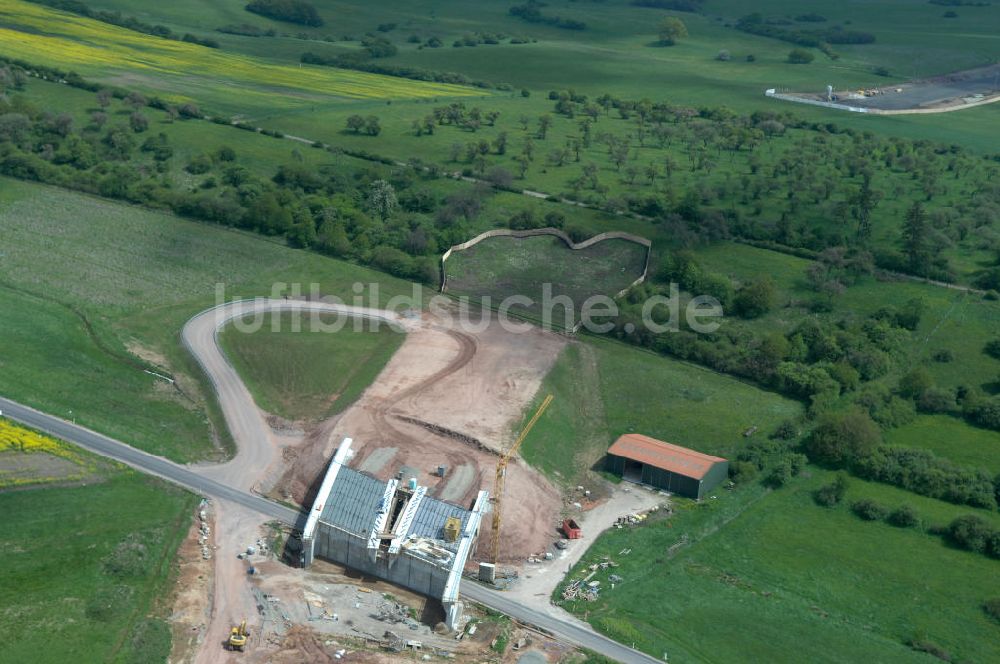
<point x="290" y="11"/>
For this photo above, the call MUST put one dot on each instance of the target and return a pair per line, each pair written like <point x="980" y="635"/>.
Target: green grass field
<point x="573" y="434"/>
<point x="116" y="278"/>
<point x="953" y="439"/>
<point x="604" y="389"/>
<point x="543" y="268"/>
<point x="87" y="568"/>
<point x="299" y="373"/>
<point x="773" y="577"/>
<point x="683" y="403"/>
<point x="622" y="35"/>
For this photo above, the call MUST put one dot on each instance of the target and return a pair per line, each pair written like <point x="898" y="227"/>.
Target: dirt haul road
<point x="257" y="451"/>
<point x="447" y="397"/>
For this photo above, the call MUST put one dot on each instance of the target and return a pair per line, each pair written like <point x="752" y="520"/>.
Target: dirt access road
<point x="257" y="452"/>
<point x="448" y="396"/>
<point x="256" y="448"/>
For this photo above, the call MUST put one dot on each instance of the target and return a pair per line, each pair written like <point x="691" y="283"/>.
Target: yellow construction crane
<point x="497" y="498"/>
<point x="238" y="637"/>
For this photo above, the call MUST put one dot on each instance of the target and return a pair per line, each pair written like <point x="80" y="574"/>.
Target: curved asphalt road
<point x="229" y="481"/>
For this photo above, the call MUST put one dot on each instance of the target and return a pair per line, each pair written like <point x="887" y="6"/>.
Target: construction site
<point x="951" y="92"/>
<point x="414" y="490"/>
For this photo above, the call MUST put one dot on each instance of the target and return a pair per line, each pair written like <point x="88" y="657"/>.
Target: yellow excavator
<point x="238" y="637"/>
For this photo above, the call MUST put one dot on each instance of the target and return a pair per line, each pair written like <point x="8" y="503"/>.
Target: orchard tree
<point x="104" y="98"/>
<point x="136" y="100"/>
<point x="381" y="199"/>
<point x="522" y="165"/>
<point x="138" y="122"/>
<point x="372" y="125"/>
<point x="865" y="201"/>
<point x="800" y="56"/>
<point x="189" y="111"/>
<point x="544" y="124"/>
<point x="651" y="173"/>
<point x="843" y="437"/>
<point x="356" y="123"/>
<point x="670" y="30"/>
<point x="500" y="143"/>
<point x="916" y="240"/>
<point x="755" y="298"/>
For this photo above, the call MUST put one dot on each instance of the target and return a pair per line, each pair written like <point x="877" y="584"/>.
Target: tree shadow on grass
<point x="992" y="388"/>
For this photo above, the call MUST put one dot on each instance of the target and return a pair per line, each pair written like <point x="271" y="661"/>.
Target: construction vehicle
<point x="498" y="484"/>
<point x="238" y="637"/>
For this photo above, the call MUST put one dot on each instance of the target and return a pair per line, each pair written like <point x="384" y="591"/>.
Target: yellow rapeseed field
<point x="45" y="36"/>
<point x="16" y="439"/>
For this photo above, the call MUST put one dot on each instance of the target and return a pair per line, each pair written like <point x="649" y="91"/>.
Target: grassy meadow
<point x="952" y="439"/>
<point x="622" y="34"/>
<point x="87" y="568"/>
<point x="500" y="266"/>
<point x="300" y="373"/>
<point x="604" y="389"/>
<point x="109" y="302"/>
<point x="772" y="576"/>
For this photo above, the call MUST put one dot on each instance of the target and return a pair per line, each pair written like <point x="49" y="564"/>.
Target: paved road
<point x="147" y="463"/>
<point x="178" y="474"/>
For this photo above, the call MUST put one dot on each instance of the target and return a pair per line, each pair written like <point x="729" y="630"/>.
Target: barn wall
<point x="668" y="481"/>
<point x="673" y="482"/>
<point x="615" y="464"/>
<point x="716" y="475"/>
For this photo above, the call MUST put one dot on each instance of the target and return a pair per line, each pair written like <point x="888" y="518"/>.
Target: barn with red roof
<point x="638" y="458"/>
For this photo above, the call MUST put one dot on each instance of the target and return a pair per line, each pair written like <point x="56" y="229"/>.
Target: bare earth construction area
<point x="451" y="398"/>
<point x="951" y="92"/>
<point x="448" y="397"/>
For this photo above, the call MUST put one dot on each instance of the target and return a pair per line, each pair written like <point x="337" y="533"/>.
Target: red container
<point x="571" y="529"/>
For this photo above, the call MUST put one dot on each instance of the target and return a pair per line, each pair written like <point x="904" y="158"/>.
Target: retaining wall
<point x="882" y="111"/>
<point x="817" y="102"/>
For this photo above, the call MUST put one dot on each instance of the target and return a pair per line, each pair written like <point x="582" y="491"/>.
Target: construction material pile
<point x="505" y="578"/>
<point x="629" y="520"/>
<point x="588" y="589"/>
<point x="395" y="613"/>
<point x="204" y="530"/>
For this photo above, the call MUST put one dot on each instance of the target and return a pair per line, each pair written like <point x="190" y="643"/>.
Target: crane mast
<point x="498" y="484"/>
